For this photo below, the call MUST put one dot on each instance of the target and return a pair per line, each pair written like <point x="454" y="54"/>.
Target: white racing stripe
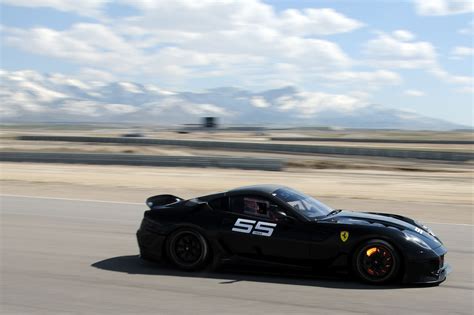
<point x="139" y="203"/>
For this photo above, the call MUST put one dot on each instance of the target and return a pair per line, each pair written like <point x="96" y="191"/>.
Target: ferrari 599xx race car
<point x="273" y="224"/>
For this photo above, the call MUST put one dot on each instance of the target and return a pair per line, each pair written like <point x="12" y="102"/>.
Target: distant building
<point x="209" y="122"/>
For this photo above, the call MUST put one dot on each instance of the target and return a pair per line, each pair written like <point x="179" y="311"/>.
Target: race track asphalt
<point x="79" y="256"/>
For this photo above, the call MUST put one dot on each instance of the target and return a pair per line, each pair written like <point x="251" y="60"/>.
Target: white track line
<point x="75" y="199"/>
<point x="141" y="204"/>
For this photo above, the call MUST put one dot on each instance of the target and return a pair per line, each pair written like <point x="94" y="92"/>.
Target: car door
<point x="251" y="227"/>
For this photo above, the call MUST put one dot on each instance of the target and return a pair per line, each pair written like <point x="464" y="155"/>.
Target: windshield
<point x="303" y="204"/>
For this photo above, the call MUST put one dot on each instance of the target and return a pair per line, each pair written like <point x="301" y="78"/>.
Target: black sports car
<point x="278" y="225"/>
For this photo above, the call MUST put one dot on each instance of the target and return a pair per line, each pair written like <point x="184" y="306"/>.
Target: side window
<point x="252" y="205"/>
<point x="221" y="204"/>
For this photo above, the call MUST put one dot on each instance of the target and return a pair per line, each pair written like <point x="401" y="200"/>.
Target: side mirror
<point x="280" y="215"/>
<point x="283" y="217"/>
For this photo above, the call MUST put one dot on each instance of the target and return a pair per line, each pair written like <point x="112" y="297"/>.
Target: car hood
<point x="386" y="219"/>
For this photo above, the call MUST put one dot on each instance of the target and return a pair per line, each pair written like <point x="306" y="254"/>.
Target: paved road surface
<point x="76" y="256"/>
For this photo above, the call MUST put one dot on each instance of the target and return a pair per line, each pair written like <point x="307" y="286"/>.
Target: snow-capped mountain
<point x="27" y="96"/>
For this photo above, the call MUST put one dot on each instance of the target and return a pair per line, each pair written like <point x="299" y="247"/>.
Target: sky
<point x="415" y="55"/>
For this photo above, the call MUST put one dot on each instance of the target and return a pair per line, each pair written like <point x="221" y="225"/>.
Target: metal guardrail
<point x="144" y="160"/>
<point x="270" y="147"/>
<point x="371" y="140"/>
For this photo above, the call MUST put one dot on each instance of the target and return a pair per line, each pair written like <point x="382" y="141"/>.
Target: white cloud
<point x="81" y="7"/>
<point x="450" y="78"/>
<point x="370" y="79"/>
<point x="208" y="16"/>
<point x="179" y="41"/>
<point x="443" y="7"/>
<point x="259" y="102"/>
<point x="120" y="108"/>
<point x="403" y="35"/>
<point x="130" y="87"/>
<point x="315" y="22"/>
<point x="388" y="50"/>
<point x="310" y="103"/>
<point x="157" y="90"/>
<point x="85" y="43"/>
<point x="460" y="52"/>
<point x="209" y="109"/>
<point x="414" y="93"/>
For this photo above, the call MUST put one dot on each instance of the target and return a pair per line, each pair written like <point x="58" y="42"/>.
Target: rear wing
<point x="162" y="201"/>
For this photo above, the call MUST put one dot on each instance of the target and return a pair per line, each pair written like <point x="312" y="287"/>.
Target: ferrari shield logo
<point x="344" y="236"/>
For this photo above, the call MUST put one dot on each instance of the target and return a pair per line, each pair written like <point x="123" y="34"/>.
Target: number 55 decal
<point x="247" y="226"/>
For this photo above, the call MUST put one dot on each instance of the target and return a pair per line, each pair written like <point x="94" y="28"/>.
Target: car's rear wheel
<point x="376" y="261"/>
<point x="188" y="249"/>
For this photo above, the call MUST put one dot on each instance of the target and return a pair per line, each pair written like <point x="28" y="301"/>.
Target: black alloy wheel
<point x="377" y="262"/>
<point x="188" y="249"/>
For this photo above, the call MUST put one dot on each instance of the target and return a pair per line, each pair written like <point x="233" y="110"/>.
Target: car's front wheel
<point x="188" y="249"/>
<point x="376" y="261"/>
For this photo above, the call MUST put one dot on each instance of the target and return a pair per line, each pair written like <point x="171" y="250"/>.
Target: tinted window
<point x="252" y="205"/>
<point x="305" y="205"/>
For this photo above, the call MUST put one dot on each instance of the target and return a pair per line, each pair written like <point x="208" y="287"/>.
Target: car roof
<point x="253" y="189"/>
<point x="266" y="188"/>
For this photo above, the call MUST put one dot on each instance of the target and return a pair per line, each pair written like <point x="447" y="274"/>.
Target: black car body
<point x="277" y="225"/>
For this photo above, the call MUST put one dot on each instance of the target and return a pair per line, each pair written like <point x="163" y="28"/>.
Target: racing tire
<point x="376" y="262"/>
<point x="188" y="249"/>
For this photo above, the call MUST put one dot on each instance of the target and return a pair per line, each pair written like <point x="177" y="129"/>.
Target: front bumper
<point x="432" y="270"/>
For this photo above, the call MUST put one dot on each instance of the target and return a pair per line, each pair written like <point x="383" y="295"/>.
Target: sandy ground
<point x="405" y="192"/>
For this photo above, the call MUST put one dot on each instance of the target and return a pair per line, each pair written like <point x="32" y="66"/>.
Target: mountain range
<point x="31" y="97"/>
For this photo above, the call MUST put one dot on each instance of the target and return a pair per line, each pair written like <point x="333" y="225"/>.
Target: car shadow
<point x="231" y="274"/>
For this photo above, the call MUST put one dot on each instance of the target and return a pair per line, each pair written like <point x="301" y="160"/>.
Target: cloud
<point x="403" y="35"/>
<point x="414" y="93"/>
<point x="450" y="78"/>
<point x="443" y="7"/>
<point x="390" y="51"/>
<point x="460" y="52"/>
<point x="310" y="103"/>
<point x="398" y="50"/>
<point x="120" y="108"/>
<point x="88" y="44"/>
<point x="83" y="7"/>
<point x="180" y="41"/>
<point x="372" y="79"/>
<point x="259" y="102"/>
<point x="208" y="16"/>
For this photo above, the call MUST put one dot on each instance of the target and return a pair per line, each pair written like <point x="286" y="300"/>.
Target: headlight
<point x="417" y="240"/>
<point x="425" y="228"/>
